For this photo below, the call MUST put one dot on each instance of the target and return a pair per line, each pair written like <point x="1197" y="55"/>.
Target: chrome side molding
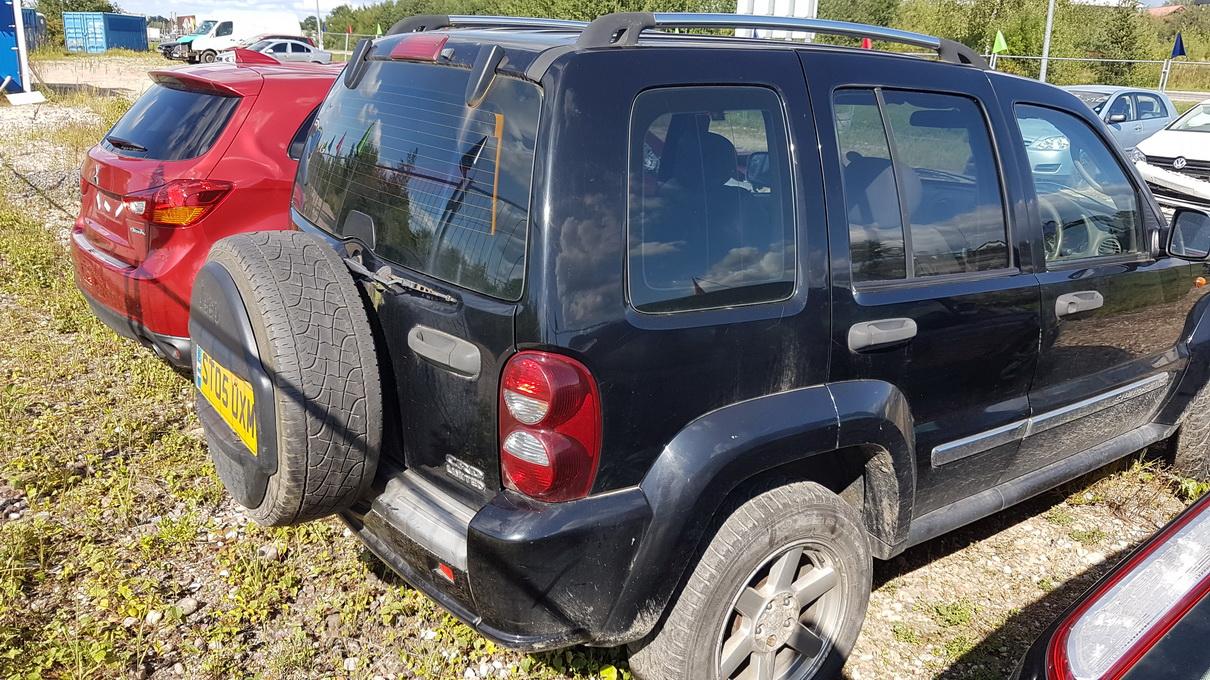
<point x="1021" y="429"/>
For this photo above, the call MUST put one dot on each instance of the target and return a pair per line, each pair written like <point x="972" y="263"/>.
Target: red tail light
<point x="1133" y="608"/>
<point x="179" y="203"/>
<point x="550" y="426"/>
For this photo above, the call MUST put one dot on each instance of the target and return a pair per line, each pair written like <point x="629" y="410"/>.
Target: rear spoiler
<point x="184" y="80"/>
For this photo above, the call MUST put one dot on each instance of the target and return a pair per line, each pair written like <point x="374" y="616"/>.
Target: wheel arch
<point x="853" y="437"/>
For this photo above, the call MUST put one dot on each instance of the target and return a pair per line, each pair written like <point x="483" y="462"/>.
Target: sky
<point x="301" y="8"/>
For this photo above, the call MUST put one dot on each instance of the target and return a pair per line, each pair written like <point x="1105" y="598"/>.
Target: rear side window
<point x="1149" y="106"/>
<point x="169" y="123"/>
<point x="923" y="160"/>
<point x="711" y="209"/>
<point x="432" y="184"/>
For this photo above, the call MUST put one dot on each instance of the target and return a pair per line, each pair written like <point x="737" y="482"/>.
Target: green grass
<point x="126" y="512"/>
<point x="51" y="53"/>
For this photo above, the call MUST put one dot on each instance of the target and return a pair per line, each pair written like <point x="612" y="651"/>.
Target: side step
<point x="959" y="513"/>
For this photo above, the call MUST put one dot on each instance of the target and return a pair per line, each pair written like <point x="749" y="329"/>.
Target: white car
<point x="284" y="51"/>
<point x="1176" y="160"/>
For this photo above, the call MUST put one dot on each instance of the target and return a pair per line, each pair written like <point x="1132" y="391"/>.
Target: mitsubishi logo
<point x="1179" y="163"/>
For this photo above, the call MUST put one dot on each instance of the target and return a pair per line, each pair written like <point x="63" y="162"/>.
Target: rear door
<point x="175" y="130"/>
<point x="932" y="289"/>
<point x="422" y="187"/>
<point x="1153" y="115"/>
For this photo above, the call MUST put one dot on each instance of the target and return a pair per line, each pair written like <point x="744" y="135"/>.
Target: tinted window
<point x="444" y="186"/>
<point x="223" y="29"/>
<point x="297" y="47"/>
<point x="1149" y="106"/>
<point x="711" y="216"/>
<point x="926" y="160"/>
<point x="171" y="124"/>
<point x="1088" y="206"/>
<point x="875" y="227"/>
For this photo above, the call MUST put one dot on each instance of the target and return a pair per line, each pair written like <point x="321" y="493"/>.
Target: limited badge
<point x="464" y="472"/>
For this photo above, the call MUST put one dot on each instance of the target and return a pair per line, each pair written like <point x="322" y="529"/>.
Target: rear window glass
<point x="445" y="186"/>
<point x="171" y="124"/>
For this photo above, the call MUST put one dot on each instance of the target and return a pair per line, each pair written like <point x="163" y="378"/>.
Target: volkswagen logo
<point x="1179" y="163"/>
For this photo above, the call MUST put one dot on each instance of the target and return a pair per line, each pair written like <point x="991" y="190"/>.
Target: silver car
<point x="285" y="51"/>
<point x="1132" y="114"/>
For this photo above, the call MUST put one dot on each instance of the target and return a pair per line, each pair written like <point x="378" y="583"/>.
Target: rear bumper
<point x="173" y="349"/>
<point x="153" y="295"/>
<point x="527" y="575"/>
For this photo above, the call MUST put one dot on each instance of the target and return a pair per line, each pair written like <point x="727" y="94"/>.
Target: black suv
<point x="600" y="333"/>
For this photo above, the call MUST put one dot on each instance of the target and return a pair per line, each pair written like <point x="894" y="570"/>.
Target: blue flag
<point x="1178" y="47"/>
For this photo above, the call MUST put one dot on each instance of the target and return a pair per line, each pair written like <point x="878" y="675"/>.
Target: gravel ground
<point x="962" y="606"/>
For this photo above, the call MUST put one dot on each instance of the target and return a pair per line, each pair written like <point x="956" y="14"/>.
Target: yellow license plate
<point x="229" y="394"/>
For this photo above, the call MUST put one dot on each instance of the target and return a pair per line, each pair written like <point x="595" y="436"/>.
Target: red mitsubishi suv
<point x="206" y="152"/>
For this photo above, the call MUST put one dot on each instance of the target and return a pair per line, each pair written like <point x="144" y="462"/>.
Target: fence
<point x="1161" y="74"/>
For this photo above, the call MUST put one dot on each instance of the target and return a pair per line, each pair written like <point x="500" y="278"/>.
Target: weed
<point x="1087" y="537"/>
<point x="957" y="646"/>
<point x="953" y="614"/>
<point x="906" y="634"/>
<point x="1060" y="516"/>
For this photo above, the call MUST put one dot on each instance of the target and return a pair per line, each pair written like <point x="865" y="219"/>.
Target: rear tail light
<point x="179" y="203"/>
<point x="550" y="426"/>
<point x="1117" y="624"/>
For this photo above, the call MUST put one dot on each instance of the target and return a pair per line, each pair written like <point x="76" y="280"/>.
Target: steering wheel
<point x="1050" y="211"/>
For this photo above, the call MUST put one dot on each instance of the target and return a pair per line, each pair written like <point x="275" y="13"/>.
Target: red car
<point x="206" y="152"/>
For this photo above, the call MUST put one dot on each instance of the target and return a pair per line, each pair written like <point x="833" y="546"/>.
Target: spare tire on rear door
<point x="285" y="374"/>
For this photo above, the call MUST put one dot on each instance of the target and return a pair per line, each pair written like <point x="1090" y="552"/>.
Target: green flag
<point x="379" y="34"/>
<point x="1000" y="45"/>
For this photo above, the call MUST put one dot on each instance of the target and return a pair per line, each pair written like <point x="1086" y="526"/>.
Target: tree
<point x="54" y="9"/>
<point x="1120" y="38"/>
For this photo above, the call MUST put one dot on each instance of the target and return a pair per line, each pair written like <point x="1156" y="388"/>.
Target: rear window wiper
<point x="124" y="143"/>
<point x="388" y="280"/>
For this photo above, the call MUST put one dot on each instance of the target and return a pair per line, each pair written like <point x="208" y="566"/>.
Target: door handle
<point x="445" y="350"/>
<point x="868" y="334"/>
<point x="1074" y="303"/>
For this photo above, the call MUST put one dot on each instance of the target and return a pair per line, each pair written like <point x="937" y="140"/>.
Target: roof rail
<point x="432" y="22"/>
<point x="623" y="28"/>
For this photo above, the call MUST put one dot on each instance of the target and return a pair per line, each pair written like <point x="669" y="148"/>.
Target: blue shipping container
<point x="101" y="31"/>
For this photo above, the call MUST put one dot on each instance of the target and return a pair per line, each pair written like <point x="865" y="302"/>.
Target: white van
<point x="233" y="28"/>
